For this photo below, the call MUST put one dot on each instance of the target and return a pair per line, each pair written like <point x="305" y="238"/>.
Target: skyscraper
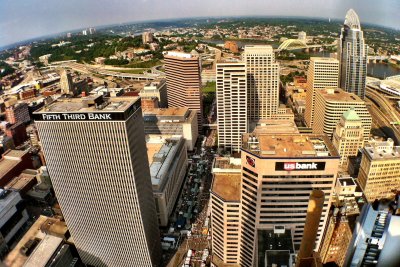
<point x="353" y="54"/>
<point x="279" y="171"/>
<point x="94" y="150"/>
<point x="231" y="104"/>
<point x="262" y="81"/>
<point x="322" y="73"/>
<point x="184" y="82"/>
<point x="348" y="136"/>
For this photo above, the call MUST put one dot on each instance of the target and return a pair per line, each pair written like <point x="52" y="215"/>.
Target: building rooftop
<point x="178" y="111"/>
<point x="339" y="95"/>
<point x="161" y="153"/>
<point x="44" y="251"/>
<point x="274" y="126"/>
<point x="180" y="55"/>
<point x="46" y="247"/>
<point x="266" y="49"/>
<point x="20" y="181"/>
<point x="9" y="160"/>
<point x="382" y="150"/>
<point x="169" y="115"/>
<point x="154" y="85"/>
<point x="351" y="115"/>
<point x="227" y="186"/>
<point x="224" y="164"/>
<point x="346" y="181"/>
<point x="91" y="104"/>
<point x="324" y="59"/>
<point x="275" y="247"/>
<point x="391" y="85"/>
<point x="288" y="145"/>
<point x="8" y="199"/>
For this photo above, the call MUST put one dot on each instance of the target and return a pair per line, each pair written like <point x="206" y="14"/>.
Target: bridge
<point x="377" y="58"/>
<point x="294" y="44"/>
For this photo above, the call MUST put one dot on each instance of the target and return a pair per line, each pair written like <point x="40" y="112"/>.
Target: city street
<point x="191" y="219"/>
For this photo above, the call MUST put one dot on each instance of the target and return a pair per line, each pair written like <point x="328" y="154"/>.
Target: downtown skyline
<point x="24" y="21"/>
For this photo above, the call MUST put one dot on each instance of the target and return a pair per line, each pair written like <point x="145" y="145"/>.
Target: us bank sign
<point x="300" y="166"/>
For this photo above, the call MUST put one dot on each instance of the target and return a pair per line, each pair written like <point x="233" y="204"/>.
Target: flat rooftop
<point x="339" y="95"/>
<point x="44" y="251"/>
<point x="274" y="126"/>
<point x="20" y="181"/>
<point x="91" y="104"/>
<point x="179" y="111"/>
<point x="9" y="160"/>
<point x="227" y="186"/>
<point x="180" y="55"/>
<point x="224" y="163"/>
<point x="391" y="84"/>
<point x="324" y="59"/>
<point x="382" y="150"/>
<point x="288" y="145"/>
<point x="16" y="259"/>
<point x="346" y="181"/>
<point x="275" y="247"/>
<point x="161" y="153"/>
<point x="8" y="200"/>
<point x="377" y="154"/>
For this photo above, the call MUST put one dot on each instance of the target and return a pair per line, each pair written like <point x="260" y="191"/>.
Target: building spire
<point x="352" y="21"/>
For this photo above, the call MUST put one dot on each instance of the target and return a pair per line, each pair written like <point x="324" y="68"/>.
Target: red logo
<point x="251" y="161"/>
<point x="289" y="166"/>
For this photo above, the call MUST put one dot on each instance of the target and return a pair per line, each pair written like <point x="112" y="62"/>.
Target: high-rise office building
<point x="322" y="73"/>
<point x="231" y="104"/>
<point x="330" y="104"/>
<point x="262" y="81"/>
<point x="352" y="54"/>
<point x="348" y="137"/>
<point x="379" y="174"/>
<point x="279" y="171"/>
<point x="225" y="209"/>
<point x="184" y="82"/>
<point x="94" y="151"/>
<point x="66" y="82"/>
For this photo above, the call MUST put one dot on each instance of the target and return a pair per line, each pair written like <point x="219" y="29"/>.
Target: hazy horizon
<point x="22" y="21"/>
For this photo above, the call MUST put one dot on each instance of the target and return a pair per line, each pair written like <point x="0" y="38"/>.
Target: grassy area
<point x="209" y="91"/>
<point x="143" y="64"/>
<point x="133" y="71"/>
<point x="210" y="87"/>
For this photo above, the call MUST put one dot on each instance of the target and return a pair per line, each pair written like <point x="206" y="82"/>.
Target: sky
<point x="25" y="19"/>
